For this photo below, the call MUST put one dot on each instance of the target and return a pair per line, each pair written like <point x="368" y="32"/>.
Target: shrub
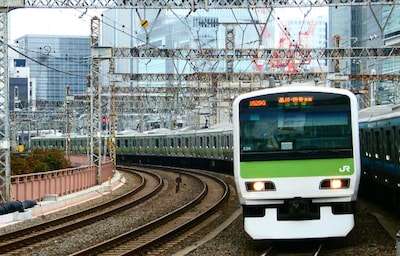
<point x="39" y="160"/>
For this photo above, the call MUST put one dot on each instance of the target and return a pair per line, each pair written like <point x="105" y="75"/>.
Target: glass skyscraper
<point x="56" y="62"/>
<point x="369" y="26"/>
<point x="181" y="29"/>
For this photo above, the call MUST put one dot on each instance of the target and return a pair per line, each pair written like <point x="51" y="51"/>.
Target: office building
<point x="56" y="62"/>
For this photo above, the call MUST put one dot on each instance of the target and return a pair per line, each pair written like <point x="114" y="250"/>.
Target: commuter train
<point x="198" y="146"/>
<point x="301" y="143"/>
<point x="380" y="151"/>
<point x="297" y="161"/>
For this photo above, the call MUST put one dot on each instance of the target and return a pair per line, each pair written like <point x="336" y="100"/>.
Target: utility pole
<point x="336" y="63"/>
<point x="68" y="100"/>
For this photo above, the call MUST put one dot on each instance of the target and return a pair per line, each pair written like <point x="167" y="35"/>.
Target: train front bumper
<point x="328" y="225"/>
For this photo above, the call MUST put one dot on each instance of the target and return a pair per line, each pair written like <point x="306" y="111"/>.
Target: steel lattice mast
<point x="94" y="125"/>
<point x="5" y="168"/>
<point x="5" y="178"/>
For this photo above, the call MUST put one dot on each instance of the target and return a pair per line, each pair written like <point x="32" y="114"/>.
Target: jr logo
<point x="345" y="168"/>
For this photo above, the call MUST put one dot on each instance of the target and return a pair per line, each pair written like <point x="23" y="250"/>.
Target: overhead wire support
<point x="250" y="54"/>
<point x="194" y="5"/>
<point x="240" y="76"/>
<point x="68" y="100"/>
<point x="5" y="172"/>
<point x="94" y="126"/>
<point x="5" y="140"/>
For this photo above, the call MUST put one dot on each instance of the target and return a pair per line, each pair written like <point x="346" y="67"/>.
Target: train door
<point x="140" y="146"/>
<point x="397" y="153"/>
<point x="376" y="159"/>
<point x="156" y="147"/>
<point x="208" y="146"/>
<point x="132" y="145"/>
<point x="172" y="146"/>
<point x="179" y="147"/>
<point x="200" y="146"/>
<point x="165" y="146"/>
<point x="218" y="146"/>
<point x="365" y="150"/>
<point x="389" y="154"/>
<point x="186" y="150"/>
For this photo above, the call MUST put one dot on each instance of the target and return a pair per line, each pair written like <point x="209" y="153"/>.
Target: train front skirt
<point x="329" y="225"/>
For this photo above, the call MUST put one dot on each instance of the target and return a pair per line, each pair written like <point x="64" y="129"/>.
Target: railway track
<point x="153" y="234"/>
<point x="303" y="248"/>
<point x="150" y="185"/>
<point x="185" y="214"/>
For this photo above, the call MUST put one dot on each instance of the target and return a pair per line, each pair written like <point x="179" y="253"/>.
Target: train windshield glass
<point x="295" y="122"/>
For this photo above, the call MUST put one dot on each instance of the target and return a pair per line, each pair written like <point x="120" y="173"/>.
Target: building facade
<point x="165" y="103"/>
<point x="56" y="62"/>
<point x="368" y="26"/>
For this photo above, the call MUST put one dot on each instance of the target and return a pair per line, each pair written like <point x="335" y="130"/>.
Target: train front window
<point x="324" y="124"/>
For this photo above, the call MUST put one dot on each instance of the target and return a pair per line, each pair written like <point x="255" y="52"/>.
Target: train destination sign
<point x="295" y="100"/>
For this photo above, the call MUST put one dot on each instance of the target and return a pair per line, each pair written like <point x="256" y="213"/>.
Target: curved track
<point x="157" y="232"/>
<point x="149" y="186"/>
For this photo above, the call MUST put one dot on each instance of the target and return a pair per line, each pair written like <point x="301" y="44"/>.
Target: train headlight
<point x="335" y="184"/>
<point x="257" y="186"/>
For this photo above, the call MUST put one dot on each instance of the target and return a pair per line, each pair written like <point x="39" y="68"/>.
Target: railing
<point x="60" y="182"/>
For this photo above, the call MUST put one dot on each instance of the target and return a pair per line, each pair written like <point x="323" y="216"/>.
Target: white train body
<point x="297" y="161"/>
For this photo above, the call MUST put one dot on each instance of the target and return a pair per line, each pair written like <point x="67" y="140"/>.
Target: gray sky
<point x="49" y="22"/>
<point x="77" y="21"/>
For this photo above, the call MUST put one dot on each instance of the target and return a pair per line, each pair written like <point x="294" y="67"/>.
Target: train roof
<point x="127" y="132"/>
<point x="380" y="112"/>
<point x="216" y="128"/>
<point x="293" y="88"/>
<point x="158" y="131"/>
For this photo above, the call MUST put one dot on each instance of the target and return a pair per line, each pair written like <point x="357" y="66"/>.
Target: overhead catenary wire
<point x="43" y="64"/>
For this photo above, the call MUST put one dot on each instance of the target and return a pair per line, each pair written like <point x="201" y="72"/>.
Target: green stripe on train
<point x="297" y="168"/>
